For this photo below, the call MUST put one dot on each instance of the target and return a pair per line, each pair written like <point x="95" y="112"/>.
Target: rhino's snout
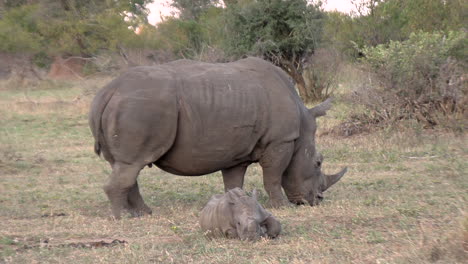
<point x="314" y="199"/>
<point x="319" y="197"/>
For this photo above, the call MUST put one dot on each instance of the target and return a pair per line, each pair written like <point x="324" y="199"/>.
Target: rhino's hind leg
<point x="122" y="190"/>
<point x="137" y="205"/>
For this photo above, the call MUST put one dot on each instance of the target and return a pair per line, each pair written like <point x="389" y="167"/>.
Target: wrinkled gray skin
<point x="192" y="118"/>
<point x="237" y="215"/>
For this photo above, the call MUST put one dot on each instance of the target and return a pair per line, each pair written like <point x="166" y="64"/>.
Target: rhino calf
<point x="237" y="215"/>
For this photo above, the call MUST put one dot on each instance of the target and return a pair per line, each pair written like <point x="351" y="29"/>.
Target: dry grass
<point x="402" y="201"/>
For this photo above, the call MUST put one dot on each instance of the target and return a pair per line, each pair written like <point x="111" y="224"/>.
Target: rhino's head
<point x="304" y="182"/>
<point x="252" y="221"/>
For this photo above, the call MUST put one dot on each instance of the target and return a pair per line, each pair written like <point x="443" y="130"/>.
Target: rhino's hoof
<point x="273" y="203"/>
<point x="141" y="212"/>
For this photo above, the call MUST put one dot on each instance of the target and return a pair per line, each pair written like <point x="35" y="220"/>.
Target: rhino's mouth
<point x="319" y="197"/>
<point x="313" y="198"/>
<point x="298" y="201"/>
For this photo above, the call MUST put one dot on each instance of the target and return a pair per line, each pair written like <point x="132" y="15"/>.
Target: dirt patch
<point x="19" y="244"/>
<point x="350" y="128"/>
<point x="9" y="161"/>
<point x="34" y="106"/>
<point x="18" y="65"/>
<point x="67" y="69"/>
<point x="54" y="215"/>
<point x="25" y="244"/>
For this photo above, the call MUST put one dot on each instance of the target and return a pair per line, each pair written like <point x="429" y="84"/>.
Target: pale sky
<point x="161" y="7"/>
<point x="158" y="8"/>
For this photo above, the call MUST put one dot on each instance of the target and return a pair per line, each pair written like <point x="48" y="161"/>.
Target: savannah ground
<point x="403" y="199"/>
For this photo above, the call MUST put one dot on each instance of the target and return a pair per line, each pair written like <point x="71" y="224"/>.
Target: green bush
<point x="69" y="28"/>
<point x="18" y="30"/>
<point x="181" y="37"/>
<point x="380" y="21"/>
<point x="321" y="73"/>
<point x="285" y="33"/>
<point x="41" y="60"/>
<point x="419" y="78"/>
<point x="189" y="38"/>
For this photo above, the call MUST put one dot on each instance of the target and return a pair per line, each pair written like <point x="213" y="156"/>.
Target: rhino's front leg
<point x="274" y="162"/>
<point x="234" y="177"/>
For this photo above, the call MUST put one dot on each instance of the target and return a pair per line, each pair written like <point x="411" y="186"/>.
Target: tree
<point x="192" y="9"/>
<point x="380" y="21"/>
<point x="197" y="30"/>
<point x="70" y="27"/>
<point x="283" y="32"/>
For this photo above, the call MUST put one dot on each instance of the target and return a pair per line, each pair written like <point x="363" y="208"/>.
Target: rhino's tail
<point x="98" y="106"/>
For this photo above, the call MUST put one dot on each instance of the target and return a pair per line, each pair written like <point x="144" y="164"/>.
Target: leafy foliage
<point x="283" y="32"/>
<point x="380" y="21"/>
<point x="80" y="27"/>
<point x="189" y="38"/>
<point x="419" y="78"/>
<point x="412" y="75"/>
<point x="322" y="71"/>
<point x="193" y="9"/>
<point x="18" y="30"/>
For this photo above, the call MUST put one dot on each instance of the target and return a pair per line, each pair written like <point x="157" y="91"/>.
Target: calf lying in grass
<point x="237" y="215"/>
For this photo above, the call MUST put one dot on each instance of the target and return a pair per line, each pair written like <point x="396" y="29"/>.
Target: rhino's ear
<point x="321" y="109"/>
<point x="255" y="194"/>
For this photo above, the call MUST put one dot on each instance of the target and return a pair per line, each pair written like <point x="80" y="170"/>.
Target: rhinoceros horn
<point x="332" y="179"/>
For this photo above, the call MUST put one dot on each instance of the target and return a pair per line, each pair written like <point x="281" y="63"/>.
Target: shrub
<point x="282" y="32"/>
<point x="181" y="37"/>
<point x="321" y="72"/>
<point x="420" y="78"/>
<point x="18" y="30"/>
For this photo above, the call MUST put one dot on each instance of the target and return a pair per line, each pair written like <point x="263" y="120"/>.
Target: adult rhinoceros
<point x="193" y="118"/>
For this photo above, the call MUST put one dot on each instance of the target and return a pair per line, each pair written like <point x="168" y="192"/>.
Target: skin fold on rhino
<point x="193" y="118"/>
<point x="237" y="215"/>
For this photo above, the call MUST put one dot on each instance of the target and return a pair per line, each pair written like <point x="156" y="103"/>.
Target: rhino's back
<point x="223" y="114"/>
<point x="228" y="114"/>
<point x="139" y="121"/>
<point x="204" y="117"/>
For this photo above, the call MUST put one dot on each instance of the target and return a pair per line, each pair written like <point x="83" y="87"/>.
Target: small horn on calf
<point x="255" y="194"/>
<point x="332" y="179"/>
